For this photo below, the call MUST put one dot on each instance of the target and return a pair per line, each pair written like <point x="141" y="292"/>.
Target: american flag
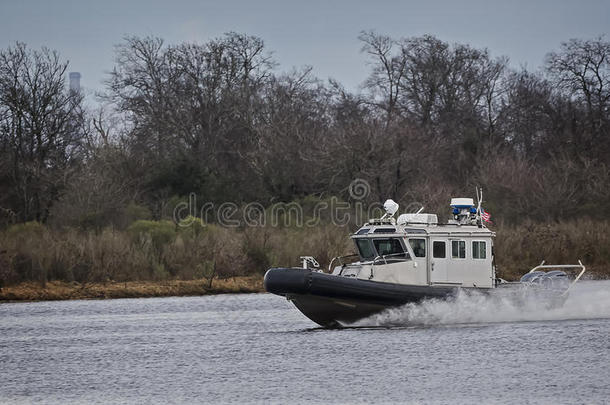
<point x="485" y="216"/>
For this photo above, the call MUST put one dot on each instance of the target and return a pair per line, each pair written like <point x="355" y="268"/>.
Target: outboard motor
<point x="531" y="277"/>
<point x="556" y="279"/>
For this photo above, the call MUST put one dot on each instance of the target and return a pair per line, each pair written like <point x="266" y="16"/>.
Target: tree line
<point x="218" y="120"/>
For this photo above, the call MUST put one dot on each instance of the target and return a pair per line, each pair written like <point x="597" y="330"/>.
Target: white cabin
<point x="416" y="250"/>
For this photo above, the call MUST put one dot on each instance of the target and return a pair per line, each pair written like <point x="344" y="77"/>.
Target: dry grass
<point x="41" y="263"/>
<point x="519" y="248"/>
<point x="37" y="254"/>
<point x="60" y="290"/>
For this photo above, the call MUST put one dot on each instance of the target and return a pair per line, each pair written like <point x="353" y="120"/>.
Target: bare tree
<point x="582" y="69"/>
<point x="41" y="125"/>
<point x="388" y="70"/>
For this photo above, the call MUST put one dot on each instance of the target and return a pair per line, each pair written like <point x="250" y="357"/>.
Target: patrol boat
<point x="409" y="259"/>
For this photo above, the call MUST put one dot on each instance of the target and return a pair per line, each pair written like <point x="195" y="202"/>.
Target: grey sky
<point x="318" y="33"/>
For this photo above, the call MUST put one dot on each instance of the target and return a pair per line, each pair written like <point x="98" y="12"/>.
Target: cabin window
<point x="438" y="249"/>
<point x="479" y="250"/>
<point x="365" y="249"/>
<point x="458" y="249"/>
<point x="389" y="247"/>
<point x="385" y="230"/>
<point x="418" y="246"/>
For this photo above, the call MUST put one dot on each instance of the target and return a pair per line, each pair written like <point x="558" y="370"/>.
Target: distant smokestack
<point x="75" y="81"/>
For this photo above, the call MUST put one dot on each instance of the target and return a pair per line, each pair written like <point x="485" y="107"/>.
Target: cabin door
<point x="438" y="260"/>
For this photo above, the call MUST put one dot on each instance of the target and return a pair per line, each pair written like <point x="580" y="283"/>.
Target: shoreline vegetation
<point x="61" y="290"/>
<point x="160" y="258"/>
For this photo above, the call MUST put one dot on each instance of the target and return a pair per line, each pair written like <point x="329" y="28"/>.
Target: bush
<point x="257" y="249"/>
<point x="26" y="230"/>
<point x="30" y="252"/>
<point x="135" y="212"/>
<point x="191" y="226"/>
<point x="7" y="273"/>
<point x="518" y="248"/>
<point x="160" y="232"/>
<point x="157" y="250"/>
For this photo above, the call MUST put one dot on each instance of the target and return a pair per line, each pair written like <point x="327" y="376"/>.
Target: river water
<point x="258" y="349"/>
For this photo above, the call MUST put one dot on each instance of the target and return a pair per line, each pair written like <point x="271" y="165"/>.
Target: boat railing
<point x="563" y="266"/>
<point x="309" y="260"/>
<point x="340" y="259"/>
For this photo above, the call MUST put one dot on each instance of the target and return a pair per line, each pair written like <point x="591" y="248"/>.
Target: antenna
<point x="479" y="192"/>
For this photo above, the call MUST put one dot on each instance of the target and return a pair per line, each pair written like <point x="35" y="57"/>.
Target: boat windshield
<point x="388" y="247"/>
<point x="365" y="248"/>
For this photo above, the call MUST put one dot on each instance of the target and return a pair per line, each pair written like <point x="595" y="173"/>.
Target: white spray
<point x="587" y="300"/>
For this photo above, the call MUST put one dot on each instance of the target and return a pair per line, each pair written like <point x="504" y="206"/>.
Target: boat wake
<point x="587" y="300"/>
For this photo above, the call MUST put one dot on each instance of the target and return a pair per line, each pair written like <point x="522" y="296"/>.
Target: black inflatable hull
<point x="332" y="301"/>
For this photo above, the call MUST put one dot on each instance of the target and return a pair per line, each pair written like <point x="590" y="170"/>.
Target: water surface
<point x="259" y="348"/>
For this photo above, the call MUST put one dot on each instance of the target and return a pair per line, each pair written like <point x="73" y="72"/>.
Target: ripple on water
<point x="258" y="348"/>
